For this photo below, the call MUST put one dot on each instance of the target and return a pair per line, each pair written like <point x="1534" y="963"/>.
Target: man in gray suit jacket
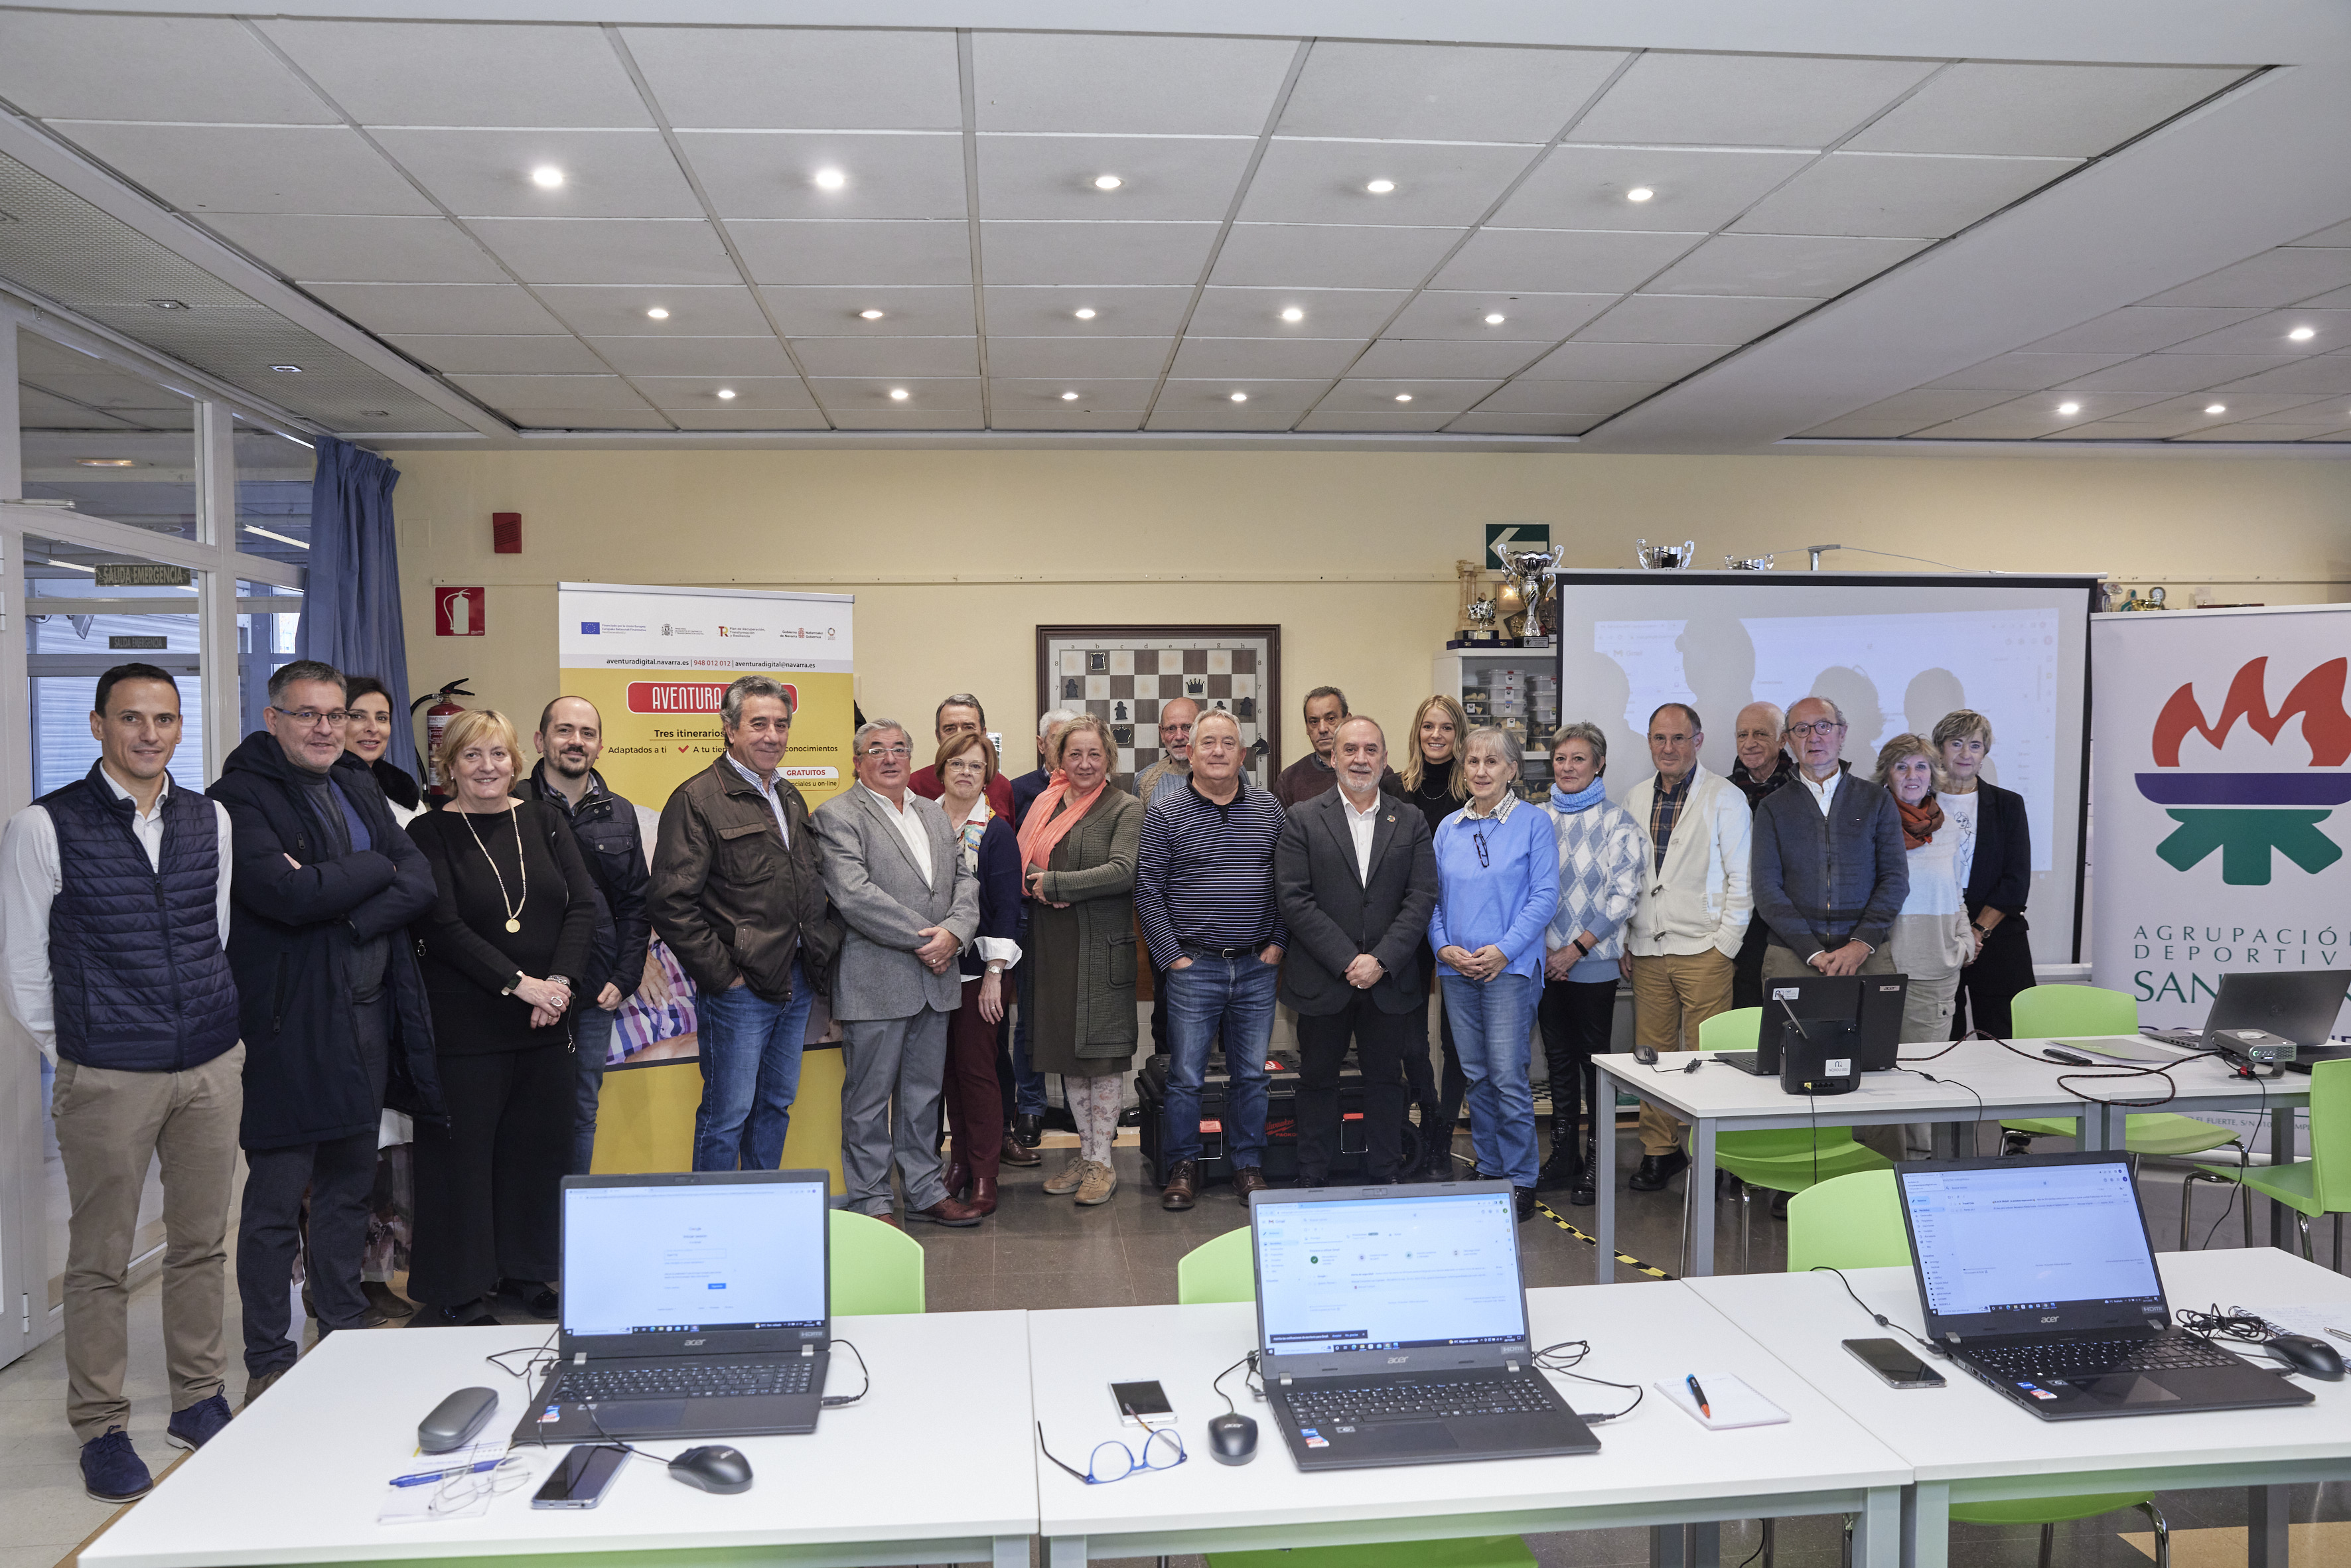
<point x="1355" y="873"/>
<point x="895" y="874"/>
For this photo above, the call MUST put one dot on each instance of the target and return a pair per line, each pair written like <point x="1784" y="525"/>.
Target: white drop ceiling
<point x="356" y="196"/>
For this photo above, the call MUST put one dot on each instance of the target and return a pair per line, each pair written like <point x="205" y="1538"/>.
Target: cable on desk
<point x="542" y="1356"/>
<point x="1561" y="1360"/>
<point x="1880" y="1319"/>
<point x="834" y="1401"/>
<point x="2121" y="1071"/>
<point x="2236" y="1323"/>
<point x="1975" y="1129"/>
<point x="1256" y="1386"/>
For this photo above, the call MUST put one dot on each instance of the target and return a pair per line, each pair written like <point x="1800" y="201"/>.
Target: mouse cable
<point x="1561" y="1359"/>
<point x="1247" y="1378"/>
<point x="2237" y="1323"/>
<point x="1880" y="1319"/>
<point x="834" y="1401"/>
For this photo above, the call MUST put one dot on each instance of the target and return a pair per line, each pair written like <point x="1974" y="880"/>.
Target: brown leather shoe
<point x="1183" y="1186"/>
<point x="889" y="1219"/>
<point x="947" y="1211"/>
<point x="983" y="1195"/>
<point x="1246" y="1180"/>
<point x="957" y="1176"/>
<point x="1016" y="1153"/>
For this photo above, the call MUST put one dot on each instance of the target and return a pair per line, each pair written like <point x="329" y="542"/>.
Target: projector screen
<point x="1894" y="652"/>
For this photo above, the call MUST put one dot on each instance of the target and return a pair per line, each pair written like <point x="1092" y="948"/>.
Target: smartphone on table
<point x="1895" y="1364"/>
<point x="581" y="1477"/>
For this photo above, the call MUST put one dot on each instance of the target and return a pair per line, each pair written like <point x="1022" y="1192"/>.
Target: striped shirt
<point x="1204" y="872"/>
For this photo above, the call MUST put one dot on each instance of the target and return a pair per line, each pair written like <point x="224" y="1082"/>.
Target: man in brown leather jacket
<point x="736" y="894"/>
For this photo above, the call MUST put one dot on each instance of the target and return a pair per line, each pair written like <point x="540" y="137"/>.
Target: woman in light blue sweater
<point x="1600" y="864"/>
<point x="1498" y="866"/>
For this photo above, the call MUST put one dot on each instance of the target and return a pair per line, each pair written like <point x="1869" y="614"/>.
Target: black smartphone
<point x="581" y="1478"/>
<point x="1144" y="1404"/>
<point x="1895" y="1364"/>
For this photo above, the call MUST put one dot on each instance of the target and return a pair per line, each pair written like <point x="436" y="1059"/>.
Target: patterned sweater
<point x="1600" y="856"/>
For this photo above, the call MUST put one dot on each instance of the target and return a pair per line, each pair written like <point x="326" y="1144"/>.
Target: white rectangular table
<point x="1655" y="1468"/>
<point x="1980" y="1080"/>
<point x="1967" y="1443"/>
<point x="896" y="1478"/>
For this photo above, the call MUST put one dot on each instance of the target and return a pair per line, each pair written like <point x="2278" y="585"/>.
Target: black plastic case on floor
<point x="1280" y="1121"/>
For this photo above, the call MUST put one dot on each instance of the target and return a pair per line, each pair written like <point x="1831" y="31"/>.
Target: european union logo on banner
<point x="591" y="628"/>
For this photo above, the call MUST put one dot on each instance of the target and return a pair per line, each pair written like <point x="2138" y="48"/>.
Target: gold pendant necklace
<point x="513" y="909"/>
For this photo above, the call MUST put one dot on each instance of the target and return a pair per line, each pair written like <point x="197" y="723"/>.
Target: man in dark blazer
<point x="1355" y="875"/>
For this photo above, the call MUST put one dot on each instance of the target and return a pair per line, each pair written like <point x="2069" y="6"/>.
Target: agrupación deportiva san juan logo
<point x="2251" y="818"/>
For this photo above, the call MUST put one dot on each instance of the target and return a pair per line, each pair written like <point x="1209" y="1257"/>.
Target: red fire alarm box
<point x="506" y="533"/>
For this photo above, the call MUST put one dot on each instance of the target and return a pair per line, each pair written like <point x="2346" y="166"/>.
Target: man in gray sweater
<point x="1829" y="871"/>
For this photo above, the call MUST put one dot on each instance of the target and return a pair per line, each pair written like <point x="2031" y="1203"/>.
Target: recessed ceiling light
<point x="2069" y="408"/>
<point x="546" y="176"/>
<point x="726" y="394"/>
<point x="830" y="179"/>
<point x="107" y="462"/>
<point x="1240" y="397"/>
<point x="1639" y="194"/>
<point x="1293" y="314"/>
<point x="658" y="314"/>
<point x="1380" y="187"/>
<point x="1068" y="397"/>
<point x="1494" y="317"/>
<point x="1084" y="313"/>
<point x="1107" y="182"/>
<point x="868" y="315"/>
<point x="169" y="304"/>
<point x="898" y="394"/>
<point x="1404" y="397"/>
<point x="288" y="369"/>
<point x="2216" y="408"/>
<point x="2302" y="334"/>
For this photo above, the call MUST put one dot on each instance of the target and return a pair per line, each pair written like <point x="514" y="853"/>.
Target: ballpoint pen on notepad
<point x="2338" y="1334"/>
<point x="1699" y="1394"/>
<point x="424" y="1478"/>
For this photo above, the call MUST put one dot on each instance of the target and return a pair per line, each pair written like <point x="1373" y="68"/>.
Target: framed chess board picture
<point x="1123" y="672"/>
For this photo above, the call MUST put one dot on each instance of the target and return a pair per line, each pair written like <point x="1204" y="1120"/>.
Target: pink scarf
<point x="1043" y="828"/>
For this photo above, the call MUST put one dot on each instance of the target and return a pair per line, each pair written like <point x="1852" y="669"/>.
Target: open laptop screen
<point x="2028" y="1245"/>
<point x="1388" y="1274"/>
<point x="674" y="1257"/>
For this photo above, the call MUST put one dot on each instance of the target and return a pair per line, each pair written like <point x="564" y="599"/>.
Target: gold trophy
<point x="1477" y="620"/>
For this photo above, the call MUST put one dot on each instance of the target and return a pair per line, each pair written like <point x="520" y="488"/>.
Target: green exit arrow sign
<point x="1503" y="537"/>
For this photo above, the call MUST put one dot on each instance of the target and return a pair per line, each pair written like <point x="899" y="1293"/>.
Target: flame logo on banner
<point x="2247" y="816"/>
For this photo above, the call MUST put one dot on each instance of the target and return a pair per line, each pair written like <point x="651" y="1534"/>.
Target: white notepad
<point x="1733" y="1403"/>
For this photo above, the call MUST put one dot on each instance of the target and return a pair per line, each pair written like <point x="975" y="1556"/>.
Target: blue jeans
<point x="1028" y="1083"/>
<point x="1492" y="1022"/>
<point x="591" y="1037"/>
<point x="750" y="1051"/>
<point x="1233" y="996"/>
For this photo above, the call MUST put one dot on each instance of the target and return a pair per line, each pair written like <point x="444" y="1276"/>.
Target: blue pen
<point x="1699" y="1394"/>
<point x="428" y="1476"/>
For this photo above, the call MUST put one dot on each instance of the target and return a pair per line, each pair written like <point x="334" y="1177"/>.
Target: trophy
<point x="1475" y="626"/>
<point x="1663" y="558"/>
<point x="1747" y="563"/>
<point x="1531" y="574"/>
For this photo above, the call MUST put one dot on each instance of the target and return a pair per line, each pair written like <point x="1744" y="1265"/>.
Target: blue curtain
<point x="350" y="610"/>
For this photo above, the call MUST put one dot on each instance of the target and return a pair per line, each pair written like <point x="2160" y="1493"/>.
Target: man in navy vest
<point x="114" y="902"/>
<point x="333" y="1009"/>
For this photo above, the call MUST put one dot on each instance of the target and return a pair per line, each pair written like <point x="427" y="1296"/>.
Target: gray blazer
<point x="884" y="903"/>
<point x="1334" y="914"/>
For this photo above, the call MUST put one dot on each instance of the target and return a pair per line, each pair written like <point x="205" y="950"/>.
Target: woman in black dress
<point x="1433" y="780"/>
<point x="516" y="918"/>
<point x="1995" y="865"/>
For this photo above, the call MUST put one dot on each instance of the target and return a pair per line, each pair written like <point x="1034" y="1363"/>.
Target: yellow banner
<point x="660" y="731"/>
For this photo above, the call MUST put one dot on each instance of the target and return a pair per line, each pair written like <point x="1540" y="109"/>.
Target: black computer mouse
<point x="1232" y="1438"/>
<point x="1646" y="1055"/>
<point x="712" y="1467"/>
<point x="2311" y="1357"/>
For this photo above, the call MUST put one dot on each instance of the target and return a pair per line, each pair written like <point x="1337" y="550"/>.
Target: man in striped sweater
<point x="1204" y="891"/>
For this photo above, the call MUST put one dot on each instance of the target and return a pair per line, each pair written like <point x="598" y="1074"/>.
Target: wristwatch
<point x="1582" y="946"/>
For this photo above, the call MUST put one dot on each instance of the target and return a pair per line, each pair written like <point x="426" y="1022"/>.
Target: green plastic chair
<point x="2319" y="1185"/>
<point x="876" y="1268"/>
<point x="1223" y="1270"/>
<point x="2051" y="1012"/>
<point x="1855" y="1222"/>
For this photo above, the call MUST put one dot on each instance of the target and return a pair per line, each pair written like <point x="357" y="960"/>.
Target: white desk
<point x="1967" y="1443"/>
<point x="1716" y="1098"/>
<point x="1655" y="1468"/>
<point x="898" y="1477"/>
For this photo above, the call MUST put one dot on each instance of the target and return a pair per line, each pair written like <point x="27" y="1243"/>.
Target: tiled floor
<point x="1042" y="1251"/>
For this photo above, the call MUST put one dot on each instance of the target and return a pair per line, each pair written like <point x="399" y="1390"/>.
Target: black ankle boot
<point x="1563" y="1170"/>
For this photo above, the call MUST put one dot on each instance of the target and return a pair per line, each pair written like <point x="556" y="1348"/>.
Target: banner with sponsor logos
<point x="2218" y="774"/>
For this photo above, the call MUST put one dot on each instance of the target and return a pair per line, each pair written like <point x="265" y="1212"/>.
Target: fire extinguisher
<point x="436" y="720"/>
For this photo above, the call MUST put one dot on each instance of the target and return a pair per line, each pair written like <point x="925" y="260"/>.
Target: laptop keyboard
<point x="685" y="1380"/>
<point x="2168" y="1351"/>
<point x="1417" y="1401"/>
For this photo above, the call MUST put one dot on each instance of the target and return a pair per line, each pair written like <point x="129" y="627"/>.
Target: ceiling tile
<point x="1131" y="84"/>
<point x="1480" y="422"/>
<point x="426" y="73"/>
<point x="396" y="308"/>
<point x="1111" y="358"/>
<point x="534" y="418"/>
<point x="1023" y="415"/>
<point x="2026" y="371"/>
<point x="1324" y="182"/>
<point x="1623" y="362"/>
<point x="850" y="254"/>
<point x="888" y="356"/>
<point x="2166" y="374"/>
<point x="1323" y="312"/>
<point x="1052" y="252"/>
<point x="1897" y="194"/>
<point x="1692" y="318"/>
<point x="313" y="249"/>
<point x="1043" y="395"/>
<point x="1442" y="92"/>
<point x="553" y="391"/>
<point x="695" y="311"/>
<point x="2335" y="299"/>
<point x="1561" y="261"/>
<point x="944" y="311"/>
<point x="2252" y="430"/>
<point x="1451" y="359"/>
<point x="2274" y="278"/>
<point x="896" y="418"/>
<point x="1330" y="420"/>
<point x="2319" y="409"/>
<point x="1584" y="188"/>
<point x="801" y="77"/>
<point x="2023" y="419"/>
<point x="772" y="174"/>
<point x="454" y="353"/>
<point x="1045" y="312"/>
<point x="1770" y="101"/>
<point x="1386" y="395"/>
<point x="2340" y="234"/>
<point x="2104" y="430"/>
<point x="760" y="356"/>
<point x="1330" y="254"/>
<point x="753" y="395"/>
<point x="2052" y="110"/>
<point x="1286" y="358"/>
<point x="1214" y="420"/>
<point x="2138" y="329"/>
<point x="1816" y="266"/>
<point x="842" y="395"/>
<point x="608" y="250"/>
<point x="1925" y="406"/>
<point x="2327" y="376"/>
<point x="1164" y="177"/>
<point x="1583" y="400"/>
<point x="2266" y="334"/>
<point x="2182" y="415"/>
<point x="38" y="411"/>
<point x="1215" y="397"/>
<point x="606" y="173"/>
<point x="1857" y="427"/>
<point x="252" y="169"/>
<point x="1525" y="318"/>
<point x="749" y="419"/>
<point x="56" y="64"/>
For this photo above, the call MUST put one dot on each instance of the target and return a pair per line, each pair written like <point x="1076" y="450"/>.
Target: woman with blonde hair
<point x="1995" y="868"/>
<point x="1433" y="780"/>
<point x="1932" y="939"/>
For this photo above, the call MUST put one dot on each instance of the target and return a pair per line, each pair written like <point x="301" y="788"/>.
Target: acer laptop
<point x="2298" y="1006"/>
<point x="1870" y="1005"/>
<point x="2037" y="1275"/>
<point x="694" y="1305"/>
<point x="1391" y="1328"/>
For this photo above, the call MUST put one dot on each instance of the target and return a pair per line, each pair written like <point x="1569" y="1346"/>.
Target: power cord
<point x="1251" y="1379"/>
<point x="1560" y="1360"/>
<point x="1975" y="1128"/>
<point x="834" y="1401"/>
<point x="542" y="1356"/>
<point x="2249" y="1328"/>
<point x="1880" y="1319"/>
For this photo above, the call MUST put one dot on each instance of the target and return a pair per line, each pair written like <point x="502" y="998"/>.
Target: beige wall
<point x="956" y="557"/>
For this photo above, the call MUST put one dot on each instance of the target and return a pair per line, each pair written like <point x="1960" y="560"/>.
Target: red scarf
<point x="1041" y="828"/>
<point x="1919" y="821"/>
